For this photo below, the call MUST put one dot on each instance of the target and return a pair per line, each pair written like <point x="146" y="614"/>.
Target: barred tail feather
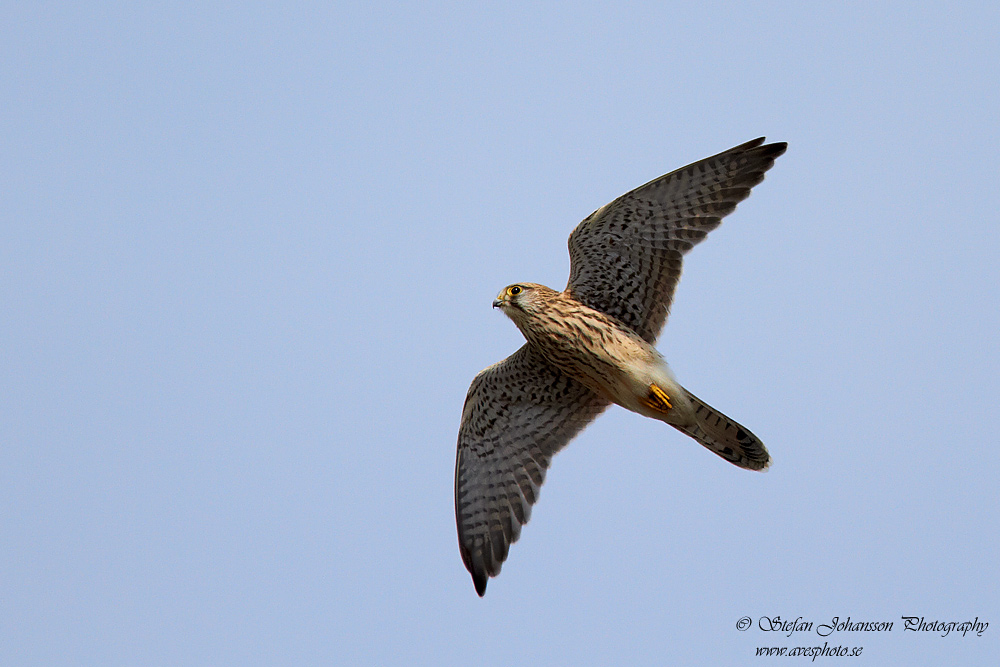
<point x="725" y="437"/>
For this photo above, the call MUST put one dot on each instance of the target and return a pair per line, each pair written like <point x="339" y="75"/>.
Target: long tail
<point x="725" y="437"/>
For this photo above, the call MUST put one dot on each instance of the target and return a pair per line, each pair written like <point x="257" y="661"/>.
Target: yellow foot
<point x="657" y="400"/>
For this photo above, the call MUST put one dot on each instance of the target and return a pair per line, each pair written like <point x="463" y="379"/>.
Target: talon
<point x="658" y="399"/>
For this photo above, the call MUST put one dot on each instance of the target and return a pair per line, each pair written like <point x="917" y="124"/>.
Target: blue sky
<point x="249" y="253"/>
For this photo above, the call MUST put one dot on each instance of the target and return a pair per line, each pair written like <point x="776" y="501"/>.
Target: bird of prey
<point x="592" y="345"/>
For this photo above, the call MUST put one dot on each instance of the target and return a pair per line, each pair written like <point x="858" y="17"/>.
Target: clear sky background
<point x="248" y="253"/>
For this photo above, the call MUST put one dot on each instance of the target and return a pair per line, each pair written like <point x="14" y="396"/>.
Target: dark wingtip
<point x="778" y="148"/>
<point x="479" y="575"/>
<point x="758" y="148"/>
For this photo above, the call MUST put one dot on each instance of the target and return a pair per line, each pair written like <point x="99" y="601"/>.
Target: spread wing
<point x="625" y="258"/>
<point x="517" y="415"/>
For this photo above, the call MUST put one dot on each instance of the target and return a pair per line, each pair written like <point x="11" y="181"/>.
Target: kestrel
<point x="592" y="345"/>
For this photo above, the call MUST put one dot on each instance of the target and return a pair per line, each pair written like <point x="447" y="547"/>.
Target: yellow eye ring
<point x="514" y="290"/>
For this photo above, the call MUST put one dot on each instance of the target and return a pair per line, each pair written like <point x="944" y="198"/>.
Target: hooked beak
<point x="497" y="303"/>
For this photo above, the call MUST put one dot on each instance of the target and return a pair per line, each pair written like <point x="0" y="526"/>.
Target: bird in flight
<point x="592" y="345"/>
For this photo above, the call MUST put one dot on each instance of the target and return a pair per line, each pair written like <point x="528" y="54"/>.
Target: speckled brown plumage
<point x="592" y="345"/>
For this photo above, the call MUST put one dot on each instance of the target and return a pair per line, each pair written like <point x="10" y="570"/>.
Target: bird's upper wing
<point x="625" y="258"/>
<point x="517" y="415"/>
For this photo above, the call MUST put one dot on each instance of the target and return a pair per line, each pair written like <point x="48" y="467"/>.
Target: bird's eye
<point x="515" y="290"/>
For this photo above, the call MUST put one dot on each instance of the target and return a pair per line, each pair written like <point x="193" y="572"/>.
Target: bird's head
<point x="521" y="299"/>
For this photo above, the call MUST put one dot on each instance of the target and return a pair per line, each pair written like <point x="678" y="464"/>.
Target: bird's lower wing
<point x="517" y="415"/>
